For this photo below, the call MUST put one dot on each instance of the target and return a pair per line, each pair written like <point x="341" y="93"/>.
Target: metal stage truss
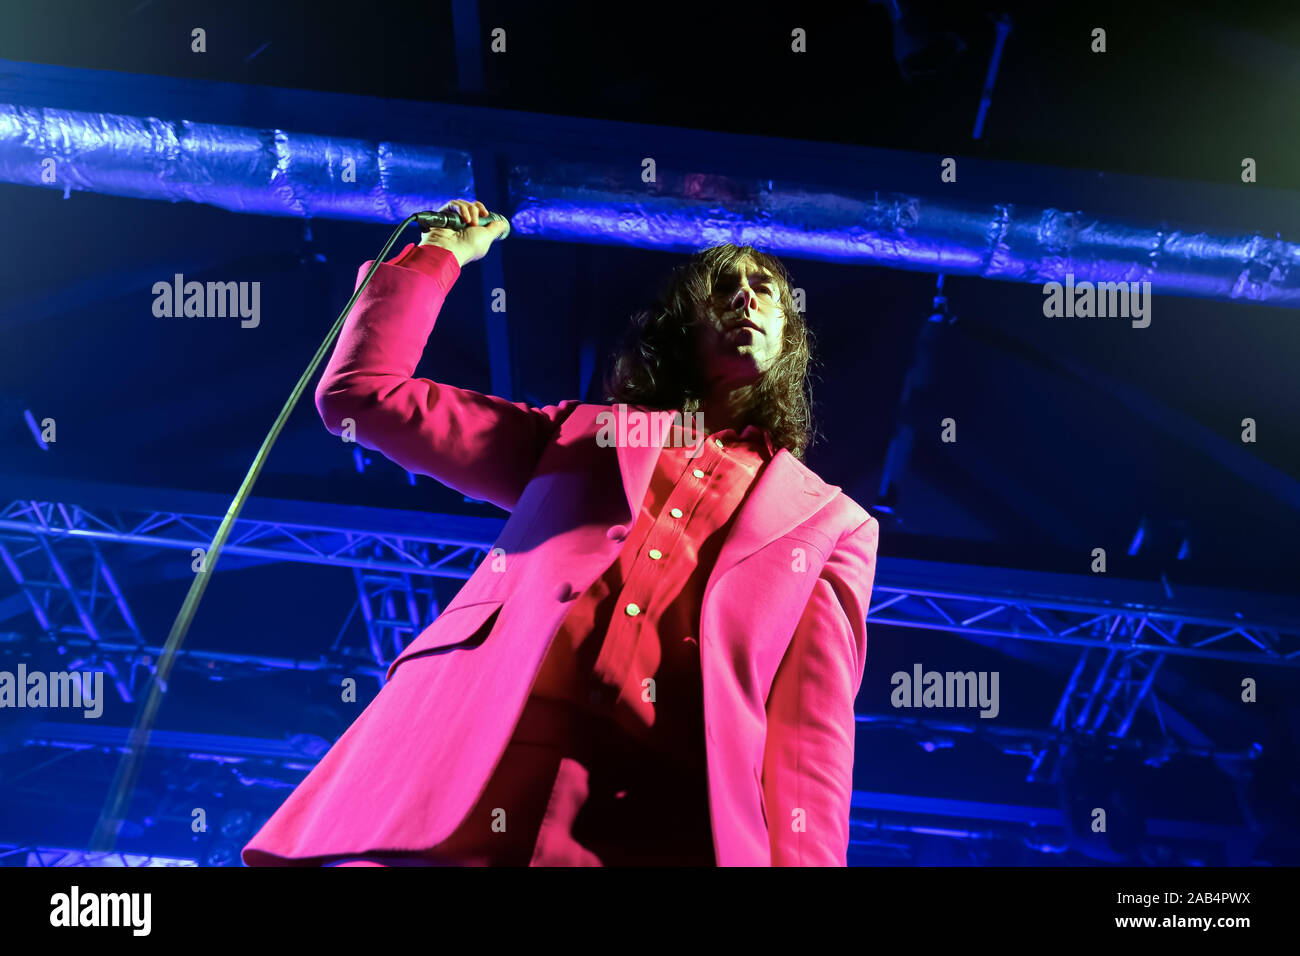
<point x="56" y="550"/>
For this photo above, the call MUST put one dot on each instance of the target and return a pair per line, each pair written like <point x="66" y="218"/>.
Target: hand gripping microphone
<point x="452" y="220"/>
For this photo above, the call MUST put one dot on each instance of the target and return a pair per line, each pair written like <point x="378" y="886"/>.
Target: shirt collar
<point x="753" y="435"/>
<point x="758" y="438"/>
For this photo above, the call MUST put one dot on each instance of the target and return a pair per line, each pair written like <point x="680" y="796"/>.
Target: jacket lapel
<point x="637" y="465"/>
<point x="784" y="496"/>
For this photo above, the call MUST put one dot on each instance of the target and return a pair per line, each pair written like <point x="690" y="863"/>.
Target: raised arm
<point x="481" y="445"/>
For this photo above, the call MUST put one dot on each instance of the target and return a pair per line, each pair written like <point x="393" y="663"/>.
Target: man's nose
<point x="743" y="299"/>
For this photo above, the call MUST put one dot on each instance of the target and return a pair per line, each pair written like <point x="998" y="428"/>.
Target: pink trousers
<point x="576" y="790"/>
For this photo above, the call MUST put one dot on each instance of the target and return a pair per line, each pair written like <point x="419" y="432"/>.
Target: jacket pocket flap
<point x="465" y="626"/>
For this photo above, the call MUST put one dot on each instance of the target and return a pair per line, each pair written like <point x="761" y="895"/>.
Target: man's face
<point x="740" y="327"/>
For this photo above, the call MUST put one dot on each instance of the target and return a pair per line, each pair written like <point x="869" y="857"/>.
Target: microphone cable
<point x="128" y="768"/>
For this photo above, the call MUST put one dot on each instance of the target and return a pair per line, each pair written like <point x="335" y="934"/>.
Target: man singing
<point x="657" y="662"/>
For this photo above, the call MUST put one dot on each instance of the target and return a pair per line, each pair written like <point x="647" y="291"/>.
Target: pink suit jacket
<point x="782" y="629"/>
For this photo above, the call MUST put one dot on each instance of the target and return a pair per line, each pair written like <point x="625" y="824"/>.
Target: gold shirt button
<point x="697" y="473"/>
<point x="632" y="610"/>
<point x="655" y="554"/>
<point x="676" y="512"/>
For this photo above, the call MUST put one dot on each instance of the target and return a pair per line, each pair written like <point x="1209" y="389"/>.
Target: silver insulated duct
<point x="273" y="172"/>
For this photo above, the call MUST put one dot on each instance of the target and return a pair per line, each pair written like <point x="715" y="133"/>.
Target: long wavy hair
<point x="655" y="366"/>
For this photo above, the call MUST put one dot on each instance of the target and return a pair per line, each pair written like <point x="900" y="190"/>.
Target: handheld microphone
<point x="452" y="220"/>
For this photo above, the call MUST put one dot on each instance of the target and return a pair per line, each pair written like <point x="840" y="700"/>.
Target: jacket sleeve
<point x="808" y="757"/>
<point x="481" y="445"/>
